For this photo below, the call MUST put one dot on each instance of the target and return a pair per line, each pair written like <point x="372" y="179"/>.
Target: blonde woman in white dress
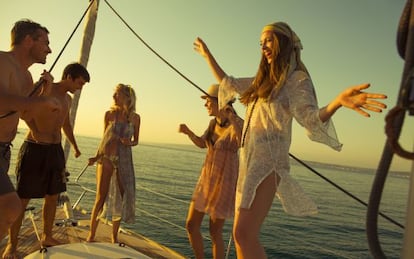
<point x="115" y="176"/>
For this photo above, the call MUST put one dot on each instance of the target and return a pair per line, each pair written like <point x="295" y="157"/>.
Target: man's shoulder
<point x="9" y="65"/>
<point x="6" y="59"/>
<point x="4" y="53"/>
<point x="59" y="92"/>
<point x="11" y="75"/>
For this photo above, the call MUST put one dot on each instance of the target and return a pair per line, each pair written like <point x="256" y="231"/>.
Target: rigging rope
<point x="153" y="51"/>
<point x="343" y="190"/>
<point x="164" y="220"/>
<point x="395" y="120"/>
<point x="41" y="81"/>
<point x="301" y="162"/>
<point x="393" y="135"/>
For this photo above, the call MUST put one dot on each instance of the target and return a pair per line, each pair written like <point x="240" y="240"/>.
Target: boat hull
<point x="87" y="250"/>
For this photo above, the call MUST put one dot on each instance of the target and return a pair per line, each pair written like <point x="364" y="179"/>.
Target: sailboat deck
<point x="68" y="234"/>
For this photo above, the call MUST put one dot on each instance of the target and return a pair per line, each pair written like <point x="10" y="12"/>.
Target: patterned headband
<point x="283" y="28"/>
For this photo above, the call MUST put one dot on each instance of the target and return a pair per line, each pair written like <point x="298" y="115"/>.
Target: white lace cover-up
<point x="268" y="138"/>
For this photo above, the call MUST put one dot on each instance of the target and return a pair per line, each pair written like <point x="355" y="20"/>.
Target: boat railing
<point x="86" y="190"/>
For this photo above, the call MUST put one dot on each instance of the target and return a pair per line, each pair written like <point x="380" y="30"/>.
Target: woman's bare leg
<point x="216" y="234"/>
<point x="115" y="229"/>
<point x="247" y="222"/>
<point x="117" y="223"/>
<point x="103" y="179"/>
<point x="193" y="224"/>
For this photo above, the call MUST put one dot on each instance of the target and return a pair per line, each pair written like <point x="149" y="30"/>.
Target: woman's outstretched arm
<point x="203" y="50"/>
<point x="355" y="99"/>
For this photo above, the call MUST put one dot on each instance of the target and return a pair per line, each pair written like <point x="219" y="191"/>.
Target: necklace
<point x="222" y="123"/>
<point x="248" y="122"/>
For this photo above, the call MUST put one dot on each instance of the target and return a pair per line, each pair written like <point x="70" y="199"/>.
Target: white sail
<point x="88" y="35"/>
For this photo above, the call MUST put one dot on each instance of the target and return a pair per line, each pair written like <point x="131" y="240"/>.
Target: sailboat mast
<point x="88" y="35"/>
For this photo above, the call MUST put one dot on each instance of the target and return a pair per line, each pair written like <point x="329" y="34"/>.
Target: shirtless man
<point x="29" y="45"/>
<point x="41" y="163"/>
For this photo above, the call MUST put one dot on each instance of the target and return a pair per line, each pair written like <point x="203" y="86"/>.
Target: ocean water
<point x="166" y="175"/>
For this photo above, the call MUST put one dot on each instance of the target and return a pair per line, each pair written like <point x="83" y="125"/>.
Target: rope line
<point x="312" y="170"/>
<point x="291" y="234"/>
<point x="301" y="162"/>
<point x="41" y="81"/>
<point x="153" y="51"/>
<point x="157" y="217"/>
<point x="394" y="124"/>
<point x="192" y="83"/>
<point x="343" y="190"/>
<point x="169" y="222"/>
<point x="161" y="219"/>
<point x="294" y="157"/>
<point x="161" y="194"/>
<point x="392" y="135"/>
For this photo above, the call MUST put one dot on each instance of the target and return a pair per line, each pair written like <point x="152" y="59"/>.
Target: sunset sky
<point x="345" y="43"/>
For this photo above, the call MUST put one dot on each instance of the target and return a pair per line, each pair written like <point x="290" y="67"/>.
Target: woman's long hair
<point x="129" y="92"/>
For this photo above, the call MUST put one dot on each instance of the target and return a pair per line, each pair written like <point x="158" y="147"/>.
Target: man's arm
<point x="8" y="100"/>
<point x="68" y="130"/>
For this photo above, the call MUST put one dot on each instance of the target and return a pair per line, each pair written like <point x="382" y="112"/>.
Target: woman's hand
<point x="92" y="160"/>
<point x="355" y="99"/>
<point x="201" y="47"/>
<point x="182" y="128"/>
<point x="126" y="141"/>
<point x="47" y="79"/>
<point x="203" y="50"/>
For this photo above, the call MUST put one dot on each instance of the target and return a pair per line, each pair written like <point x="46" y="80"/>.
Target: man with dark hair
<point x="26" y="27"/>
<point x="29" y="45"/>
<point x="75" y="70"/>
<point x="41" y="163"/>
